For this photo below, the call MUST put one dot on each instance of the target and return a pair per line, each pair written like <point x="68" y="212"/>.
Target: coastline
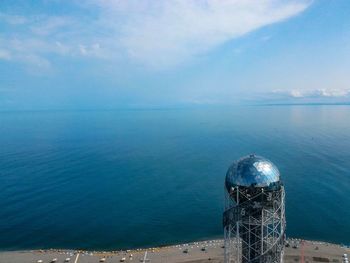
<point x="201" y="251"/>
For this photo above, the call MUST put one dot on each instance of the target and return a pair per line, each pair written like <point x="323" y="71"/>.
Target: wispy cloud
<point x="49" y="25"/>
<point x="173" y="31"/>
<point x="331" y="95"/>
<point x="12" y="19"/>
<point x="313" y="93"/>
<point x="153" y="33"/>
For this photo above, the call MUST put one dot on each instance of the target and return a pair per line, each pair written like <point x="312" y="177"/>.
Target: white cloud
<point x="296" y="93"/>
<point x="26" y="51"/>
<point x="163" y="32"/>
<point x="153" y="33"/>
<point x="331" y="93"/>
<point x="312" y="93"/>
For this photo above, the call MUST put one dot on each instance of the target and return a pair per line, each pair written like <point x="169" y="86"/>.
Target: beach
<point x="196" y="252"/>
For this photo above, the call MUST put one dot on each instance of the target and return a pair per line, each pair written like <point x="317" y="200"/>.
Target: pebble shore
<point x="195" y="252"/>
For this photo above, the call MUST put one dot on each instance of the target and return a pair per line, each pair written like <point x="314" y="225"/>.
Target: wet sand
<point x="196" y="252"/>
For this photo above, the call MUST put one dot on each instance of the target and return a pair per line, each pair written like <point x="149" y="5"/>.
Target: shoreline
<point x="290" y="240"/>
<point x="200" y="251"/>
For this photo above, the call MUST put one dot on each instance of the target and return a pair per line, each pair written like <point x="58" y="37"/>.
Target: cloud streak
<point x="153" y="33"/>
<point x="313" y="93"/>
<point x="176" y="30"/>
<point x="307" y="96"/>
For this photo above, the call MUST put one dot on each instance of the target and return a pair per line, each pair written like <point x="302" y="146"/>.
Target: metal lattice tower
<point x="254" y="218"/>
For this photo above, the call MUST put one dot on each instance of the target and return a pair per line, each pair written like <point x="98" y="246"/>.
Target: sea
<point x="117" y="179"/>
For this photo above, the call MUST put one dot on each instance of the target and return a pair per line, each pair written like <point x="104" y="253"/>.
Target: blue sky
<point x="104" y="54"/>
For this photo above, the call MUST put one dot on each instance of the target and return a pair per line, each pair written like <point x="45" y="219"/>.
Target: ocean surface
<point x="141" y="178"/>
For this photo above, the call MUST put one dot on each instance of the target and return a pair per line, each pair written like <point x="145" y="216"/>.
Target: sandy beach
<point x="196" y="252"/>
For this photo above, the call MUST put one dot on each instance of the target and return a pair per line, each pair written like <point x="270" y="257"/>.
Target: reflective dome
<point x="252" y="170"/>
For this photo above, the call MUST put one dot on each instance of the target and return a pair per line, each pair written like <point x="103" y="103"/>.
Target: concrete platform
<point x="196" y="252"/>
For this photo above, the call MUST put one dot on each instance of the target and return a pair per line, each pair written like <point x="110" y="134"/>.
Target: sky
<point x="111" y="54"/>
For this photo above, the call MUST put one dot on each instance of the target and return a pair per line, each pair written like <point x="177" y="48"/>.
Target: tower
<point x="254" y="218"/>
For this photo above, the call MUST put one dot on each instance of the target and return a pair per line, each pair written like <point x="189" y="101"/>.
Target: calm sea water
<point x="121" y="179"/>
